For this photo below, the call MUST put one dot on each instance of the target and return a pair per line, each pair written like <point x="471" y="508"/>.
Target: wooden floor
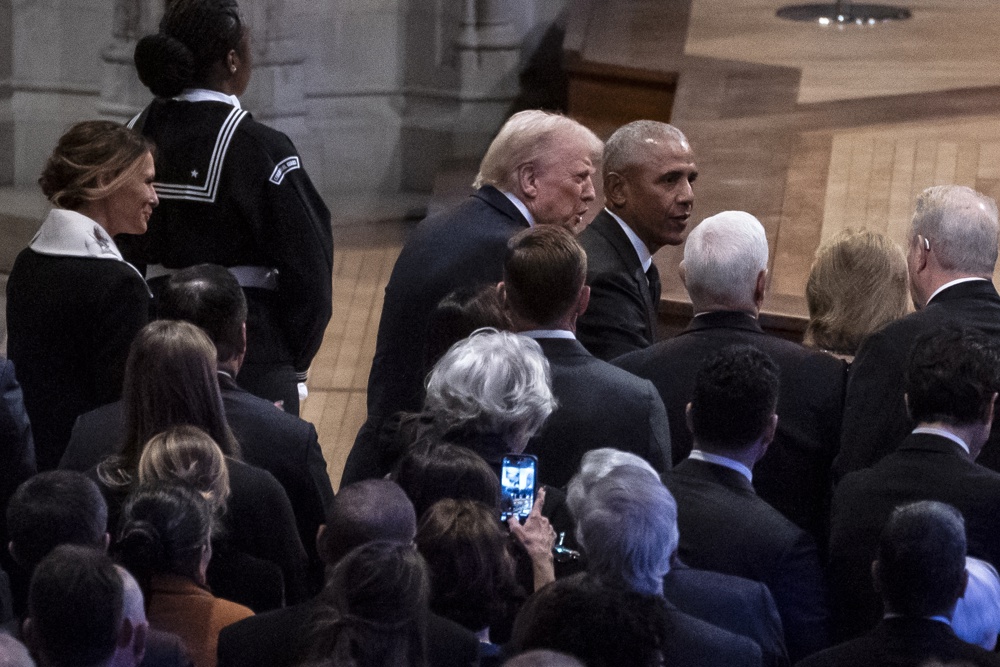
<point x="338" y="381"/>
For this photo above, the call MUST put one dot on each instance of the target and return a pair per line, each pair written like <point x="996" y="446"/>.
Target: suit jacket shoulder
<point x="621" y="316"/>
<point x="600" y="405"/>
<point x="875" y="417"/>
<point x="736" y="604"/>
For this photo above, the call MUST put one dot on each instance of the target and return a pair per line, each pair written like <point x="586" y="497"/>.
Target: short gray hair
<point x="625" y="147"/>
<point x="629" y="530"/>
<point x="961" y="224"/>
<point x="594" y="466"/>
<point x="524" y="138"/>
<point x="723" y="257"/>
<point x="13" y="653"/>
<point x="494" y="382"/>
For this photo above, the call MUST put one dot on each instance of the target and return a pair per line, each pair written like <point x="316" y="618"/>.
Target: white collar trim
<point x="66" y="233"/>
<point x="940" y="432"/>
<point x="549" y="333"/>
<point x="205" y="95"/>
<point x="724" y="461"/>
<point x="520" y="207"/>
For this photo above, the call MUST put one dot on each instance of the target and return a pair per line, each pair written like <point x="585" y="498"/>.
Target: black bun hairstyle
<point x="194" y="35"/>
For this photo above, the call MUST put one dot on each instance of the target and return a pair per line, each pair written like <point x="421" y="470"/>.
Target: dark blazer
<point x="875" y="417"/>
<point x="599" y="406"/>
<point x="278" y="639"/>
<point x="581" y="601"/>
<point x="284" y="445"/>
<point x="794" y="476"/>
<point x="621" y="316"/>
<point x="71" y="321"/>
<point x="924" y="467"/>
<point x="726" y="528"/>
<point x="739" y="605"/>
<point x="903" y="642"/>
<point x="461" y="247"/>
<point x="17" y="448"/>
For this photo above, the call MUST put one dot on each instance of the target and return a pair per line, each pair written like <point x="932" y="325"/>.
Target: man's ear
<point x="876" y="581"/>
<point x="527" y="180"/>
<point x="689" y="418"/>
<point x="615" y="190"/>
<point x="760" y="288"/>
<point x="106" y="542"/>
<point x="682" y="273"/>
<point x="583" y="300"/>
<point x="502" y="293"/>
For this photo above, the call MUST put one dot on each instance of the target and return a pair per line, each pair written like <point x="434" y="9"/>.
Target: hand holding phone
<point x="517" y="485"/>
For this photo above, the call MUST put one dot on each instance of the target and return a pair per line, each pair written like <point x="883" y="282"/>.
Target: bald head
<point x="373" y="509"/>
<point x="543" y="658"/>
<point x="13" y="653"/>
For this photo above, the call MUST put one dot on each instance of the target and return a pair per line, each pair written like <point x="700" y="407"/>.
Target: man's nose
<point x="589" y="194"/>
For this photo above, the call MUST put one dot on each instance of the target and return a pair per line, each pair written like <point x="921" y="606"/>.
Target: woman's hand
<point x="538" y="537"/>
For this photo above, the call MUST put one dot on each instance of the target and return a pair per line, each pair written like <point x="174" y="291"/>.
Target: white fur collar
<point x="67" y="233"/>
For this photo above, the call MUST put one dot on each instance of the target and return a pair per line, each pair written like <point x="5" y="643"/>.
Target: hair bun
<point x="140" y="542"/>
<point x="164" y="64"/>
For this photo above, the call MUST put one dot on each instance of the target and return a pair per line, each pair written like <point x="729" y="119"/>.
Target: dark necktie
<point x="653" y="276"/>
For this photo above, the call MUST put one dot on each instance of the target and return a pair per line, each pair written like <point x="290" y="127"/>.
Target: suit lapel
<point x="609" y="228"/>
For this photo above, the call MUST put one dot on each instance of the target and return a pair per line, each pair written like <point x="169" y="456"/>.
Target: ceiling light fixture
<point x="843" y="14"/>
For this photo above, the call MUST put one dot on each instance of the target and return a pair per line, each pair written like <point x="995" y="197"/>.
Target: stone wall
<point x="376" y="94"/>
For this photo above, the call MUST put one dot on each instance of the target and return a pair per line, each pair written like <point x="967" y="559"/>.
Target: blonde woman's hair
<point x="92" y="160"/>
<point x="858" y="283"/>
<point x="187" y="454"/>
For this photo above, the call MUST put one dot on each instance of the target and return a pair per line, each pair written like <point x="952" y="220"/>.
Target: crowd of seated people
<point x="722" y="497"/>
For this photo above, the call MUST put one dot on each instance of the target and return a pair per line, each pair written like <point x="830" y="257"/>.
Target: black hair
<point x="52" y="508"/>
<point x="75" y="604"/>
<point x="735" y="393"/>
<point x="208" y="296"/>
<point x="432" y="470"/>
<point x="603" y="626"/>
<point x="163" y="528"/>
<point x="921" y="559"/>
<point x="951" y="376"/>
<point x="373" y="610"/>
<point x="458" y="314"/>
<point x="194" y="35"/>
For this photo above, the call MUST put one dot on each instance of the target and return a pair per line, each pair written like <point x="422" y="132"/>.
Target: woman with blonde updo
<point x="188" y="455"/>
<point x="857" y="285"/>
<point x="73" y="303"/>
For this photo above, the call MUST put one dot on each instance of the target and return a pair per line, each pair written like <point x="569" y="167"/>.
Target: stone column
<point x="489" y="59"/>
<point x="122" y="94"/>
<point x="277" y="90"/>
<point x="56" y="74"/>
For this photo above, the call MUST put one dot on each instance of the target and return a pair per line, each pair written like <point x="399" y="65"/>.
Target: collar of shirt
<point x="520" y="207"/>
<point x="645" y="257"/>
<point x="205" y="95"/>
<point x="723" y="461"/>
<point x="227" y="374"/>
<point x="949" y="284"/>
<point x="939" y="619"/>
<point x="549" y="333"/>
<point x="927" y="430"/>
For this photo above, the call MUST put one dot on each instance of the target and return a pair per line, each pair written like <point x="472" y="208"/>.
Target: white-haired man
<point x="725" y="273"/>
<point x="735" y="604"/>
<point x="538" y="170"/>
<point x="649" y="173"/>
<point x="951" y="256"/>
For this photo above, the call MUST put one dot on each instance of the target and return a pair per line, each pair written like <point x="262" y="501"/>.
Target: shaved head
<point x="373" y="509"/>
